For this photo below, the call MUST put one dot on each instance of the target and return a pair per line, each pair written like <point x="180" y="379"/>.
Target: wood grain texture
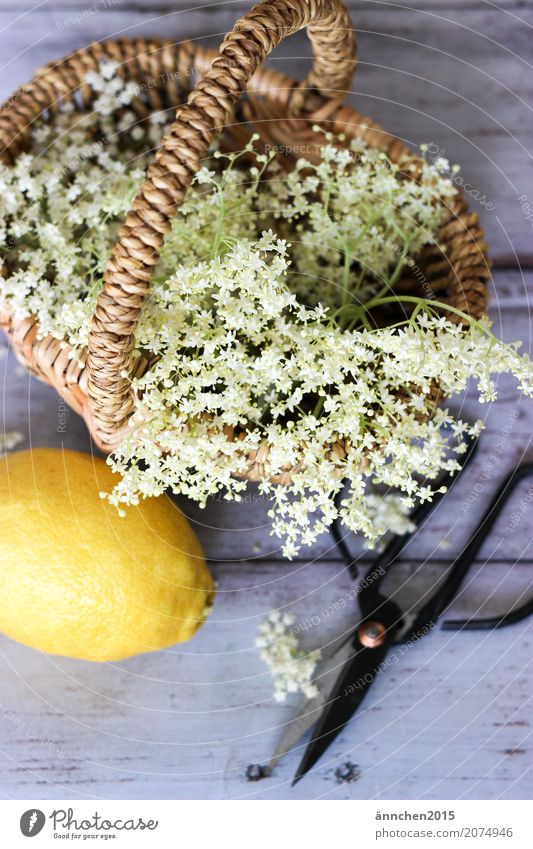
<point x="457" y="76"/>
<point x="451" y="717"/>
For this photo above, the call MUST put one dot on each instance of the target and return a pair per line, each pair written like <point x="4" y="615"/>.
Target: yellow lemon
<point x="79" y="580"/>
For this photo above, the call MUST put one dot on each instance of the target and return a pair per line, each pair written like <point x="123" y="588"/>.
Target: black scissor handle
<point x="492" y="622"/>
<point x="383" y="562"/>
<point x="371" y="598"/>
<point x="453" y="582"/>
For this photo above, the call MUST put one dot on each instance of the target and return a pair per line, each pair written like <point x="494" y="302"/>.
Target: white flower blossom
<point x="9" y="440"/>
<point x="292" y="669"/>
<point x="261" y="325"/>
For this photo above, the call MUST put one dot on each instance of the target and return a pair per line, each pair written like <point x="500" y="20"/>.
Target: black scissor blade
<point x="349" y="690"/>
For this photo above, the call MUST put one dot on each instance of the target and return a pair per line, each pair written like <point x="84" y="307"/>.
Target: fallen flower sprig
<point x="292" y="668"/>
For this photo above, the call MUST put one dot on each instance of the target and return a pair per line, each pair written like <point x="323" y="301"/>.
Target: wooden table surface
<point x="451" y="718"/>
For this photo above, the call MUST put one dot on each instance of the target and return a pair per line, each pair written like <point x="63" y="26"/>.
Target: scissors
<point x="350" y="664"/>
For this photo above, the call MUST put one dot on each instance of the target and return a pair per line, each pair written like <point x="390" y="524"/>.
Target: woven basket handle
<point x="208" y="109"/>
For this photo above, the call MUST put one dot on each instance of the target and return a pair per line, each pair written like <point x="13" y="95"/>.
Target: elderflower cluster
<point x="389" y="514"/>
<point x="243" y="367"/>
<point x="355" y="219"/>
<point x="291" y="668"/>
<point x="61" y="206"/>
<point x="274" y="329"/>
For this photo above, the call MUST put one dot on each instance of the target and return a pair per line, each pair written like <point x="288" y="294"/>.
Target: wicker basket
<point x="282" y="111"/>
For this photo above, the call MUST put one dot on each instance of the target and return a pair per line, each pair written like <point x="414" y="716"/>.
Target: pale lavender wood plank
<point x="511" y="289"/>
<point x="184" y="723"/>
<point x="70" y="729"/>
<point x="455" y="76"/>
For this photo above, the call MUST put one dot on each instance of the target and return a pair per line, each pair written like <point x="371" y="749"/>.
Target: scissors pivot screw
<point x="372" y="634"/>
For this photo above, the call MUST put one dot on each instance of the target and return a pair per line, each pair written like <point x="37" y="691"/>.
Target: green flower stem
<point x="319" y="407"/>
<point x="346" y="278"/>
<point x="399" y="266"/>
<point x="349" y="257"/>
<point x="428" y="304"/>
<point x="360" y="316"/>
<point x="220" y="223"/>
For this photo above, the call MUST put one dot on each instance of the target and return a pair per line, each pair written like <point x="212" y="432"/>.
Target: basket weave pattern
<point x="282" y="111"/>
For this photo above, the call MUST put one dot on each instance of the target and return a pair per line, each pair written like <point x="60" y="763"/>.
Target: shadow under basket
<point x="206" y="86"/>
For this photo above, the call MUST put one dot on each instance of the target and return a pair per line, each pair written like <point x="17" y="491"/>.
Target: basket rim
<point x="468" y="266"/>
